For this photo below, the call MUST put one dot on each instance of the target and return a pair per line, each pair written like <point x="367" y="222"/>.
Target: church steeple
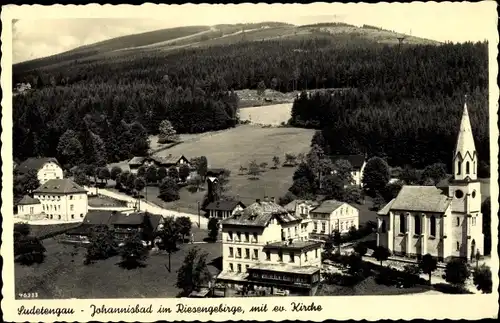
<point x="465" y="157"/>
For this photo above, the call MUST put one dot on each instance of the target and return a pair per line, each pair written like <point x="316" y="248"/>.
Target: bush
<point x="450" y="289"/>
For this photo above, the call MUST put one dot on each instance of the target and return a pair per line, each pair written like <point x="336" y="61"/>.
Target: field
<point x="101" y="201"/>
<point x="267" y="115"/>
<point x="63" y="275"/>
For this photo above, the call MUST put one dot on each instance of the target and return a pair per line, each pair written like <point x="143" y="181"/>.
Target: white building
<point x="332" y="215"/>
<point x="302" y="208"/>
<point x="46" y="168"/>
<point x="223" y="209"/>
<point x="29" y="206"/>
<point x="442" y="221"/>
<point x="262" y="248"/>
<point x="62" y="199"/>
<point x="358" y="163"/>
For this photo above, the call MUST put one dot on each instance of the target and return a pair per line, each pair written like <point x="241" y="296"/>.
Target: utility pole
<point x="199" y="215"/>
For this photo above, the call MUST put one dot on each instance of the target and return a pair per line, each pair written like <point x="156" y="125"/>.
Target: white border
<point x="341" y="308"/>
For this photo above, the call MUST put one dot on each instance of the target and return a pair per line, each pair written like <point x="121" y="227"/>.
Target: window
<point x="239" y="268"/>
<point x="238" y="253"/>
<point x="247" y="253"/>
<point x="315" y="225"/>
<point x="433" y="225"/>
<point x="255" y="238"/>
<point x="316" y="253"/>
<point x="402" y="224"/>
<point x="418" y="228"/>
<point x="51" y="216"/>
<point x="323" y="226"/>
<point x="256" y="254"/>
<point x="305" y="256"/>
<point x="459" y="166"/>
<point x="71" y="197"/>
<point x="247" y="237"/>
<point x="302" y="210"/>
<point x="459" y="194"/>
<point x="458" y="246"/>
<point x="231" y="267"/>
<point x="268" y="255"/>
<point x="72" y="216"/>
<point x="458" y="221"/>
<point x="292" y="257"/>
<point x="31" y="210"/>
<point x="81" y="215"/>
<point x="280" y="256"/>
<point x="230" y="233"/>
<point x="467" y="168"/>
<point x="238" y="236"/>
<point x="473" y="194"/>
<point x="288" y="232"/>
<point x="246" y="267"/>
<point x="231" y="252"/>
<point x="59" y="217"/>
<point x="383" y="229"/>
<point x="473" y="221"/>
<point x="342" y="226"/>
<point x="71" y="207"/>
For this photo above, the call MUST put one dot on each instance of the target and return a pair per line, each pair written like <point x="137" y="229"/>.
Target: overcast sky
<point x="43" y="31"/>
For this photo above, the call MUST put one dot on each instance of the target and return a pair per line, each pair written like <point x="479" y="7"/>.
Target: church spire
<point x="465" y="161"/>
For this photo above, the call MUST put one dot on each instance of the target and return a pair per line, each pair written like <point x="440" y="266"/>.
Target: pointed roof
<point x="28" y="200"/>
<point x="60" y="186"/>
<point x="465" y="141"/>
<point x="34" y="163"/>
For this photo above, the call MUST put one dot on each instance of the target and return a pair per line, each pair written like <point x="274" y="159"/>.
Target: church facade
<point x="442" y="221"/>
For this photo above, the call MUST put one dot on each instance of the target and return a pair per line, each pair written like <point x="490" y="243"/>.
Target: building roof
<point x="135" y="218"/>
<point x="163" y="161"/>
<point x="465" y="141"/>
<point x="60" y="186"/>
<point x="285" y="268"/>
<point x="224" y="205"/>
<point x="290" y="207"/>
<point x="328" y="206"/>
<point x="28" y="200"/>
<point x="356" y="161"/>
<point x="295" y="245"/>
<point x="97" y="217"/>
<point x="35" y="163"/>
<point x="421" y="198"/>
<point x="260" y="213"/>
<point x="385" y="210"/>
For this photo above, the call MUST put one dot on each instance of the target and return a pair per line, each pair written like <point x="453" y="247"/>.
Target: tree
<point x="169" y="236"/>
<point x="486" y="211"/>
<point x="355" y="265"/>
<point x="123" y="178"/>
<point x="352" y="234"/>
<point x="201" y="165"/>
<point x="436" y="172"/>
<point x="482" y="279"/>
<point x="381" y="253"/>
<point x="456" y="272"/>
<point x="141" y="171"/>
<point x="184" y="225"/>
<point x="80" y="178"/>
<point x="378" y="202"/>
<point x="169" y="191"/>
<point x="193" y="273"/>
<point x="376" y="175"/>
<point x="28" y="250"/>
<point x="302" y="188"/>
<point x="261" y="88"/>
<point x="290" y="159"/>
<point x="428" y="264"/>
<point x="133" y="252"/>
<point x="263" y="166"/>
<point x="173" y="173"/>
<point x="353" y="194"/>
<point x="213" y="229"/>
<point x="70" y="148"/>
<point x="332" y="187"/>
<point x="343" y="169"/>
<point x="130" y="182"/>
<point x="115" y="172"/>
<point x="337" y="240"/>
<point x="104" y="174"/>
<point x="162" y="173"/>
<point x="391" y="190"/>
<point x="184" y="172"/>
<point x="151" y="174"/>
<point x="276" y="162"/>
<point x="314" y="160"/>
<point x="253" y="169"/>
<point x="409" y="176"/>
<point x="25" y="184"/>
<point x="102" y="244"/>
<point x="139" y="185"/>
<point x="360" y="248"/>
<point x="167" y="131"/>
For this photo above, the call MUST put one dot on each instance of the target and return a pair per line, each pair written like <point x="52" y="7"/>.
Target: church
<point x="445" y="222"/>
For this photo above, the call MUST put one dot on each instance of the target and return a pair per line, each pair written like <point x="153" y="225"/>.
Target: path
<point x="152" y="208"/>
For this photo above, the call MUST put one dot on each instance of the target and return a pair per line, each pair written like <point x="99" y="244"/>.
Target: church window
<point x="458" y="246"/>
<point x="459" y="194"/>
<point x="473" y="194"/>
<point x="433" y="226"/>
<point x="458" y="221"/>
<point x="402" y="226"/>
<point x="467" y="168"/>
<point x="418" y="228"/>
<point x="459" y="167"/>
<point x="382" y="227"/>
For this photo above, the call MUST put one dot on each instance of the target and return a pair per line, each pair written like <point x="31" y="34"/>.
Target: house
<point x="223" y="209"/>
<point x="262" y="250"/>
<point x="358" y="163"/>
<point x="29" y="206"/>
<point x="444" y="221"/>
<point x="332" y="215"/>
<point x="62" y="199"/>
<point x="167" y="162"/>
<point x="302" y="208"/>
<point x="47" y="168"/>
<point x="93" y="219"/>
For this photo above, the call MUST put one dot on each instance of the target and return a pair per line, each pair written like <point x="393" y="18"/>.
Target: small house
<point x="47" y="168"/>
<point x="358" y="163"/>
<point x="223" y="209"/>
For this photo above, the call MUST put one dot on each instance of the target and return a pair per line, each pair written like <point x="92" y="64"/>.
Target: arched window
<point x="467" y="168"/>
<point x="458" y="221"/>
<point x="458" y="246"/>
<point x="433" y="226"/>
<point x="418" y="227"/>
<point x="474" y="167"/>
<point x="382" y="227"/>
<point x="402" y="224"/>
<point x="459" y="167"/>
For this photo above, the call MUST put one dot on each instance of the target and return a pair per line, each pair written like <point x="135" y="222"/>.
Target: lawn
<point x="102" y="201"/>
<point x="43" y="230"/>
<point x="63" y="274"/>
<point x="236" y="147"/>
<point x="267" y="115"/>
<point x="368" y="287"/>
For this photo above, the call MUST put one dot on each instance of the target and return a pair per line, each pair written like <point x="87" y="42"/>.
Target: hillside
<point x="172" y="39"/>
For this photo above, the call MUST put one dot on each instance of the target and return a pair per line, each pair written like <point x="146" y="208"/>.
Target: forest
<point x="412" y="92"/>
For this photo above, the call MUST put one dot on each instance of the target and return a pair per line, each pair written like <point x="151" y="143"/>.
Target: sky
<point x="41" y="31"/>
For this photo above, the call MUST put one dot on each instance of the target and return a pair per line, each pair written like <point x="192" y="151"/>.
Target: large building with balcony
<point x="265" y="249"/>
<point x="332" y="215"/>
<point x="442" y="221"/>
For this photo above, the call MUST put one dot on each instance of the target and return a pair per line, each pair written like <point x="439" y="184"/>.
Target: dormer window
<point x="467" y="168"/>
<point x="459" y="167"/>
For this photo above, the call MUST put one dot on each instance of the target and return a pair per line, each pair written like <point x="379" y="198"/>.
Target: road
<point x="152" y="208"/>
